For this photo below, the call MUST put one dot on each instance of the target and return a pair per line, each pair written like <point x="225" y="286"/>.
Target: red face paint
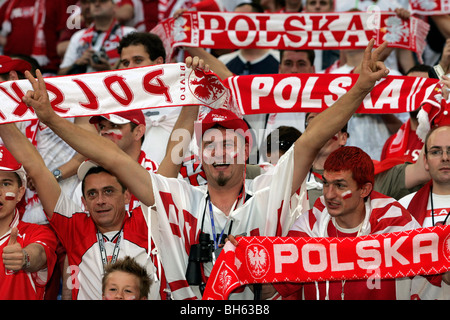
<point x="347" y="194"/>
<point x="114" y="133"/>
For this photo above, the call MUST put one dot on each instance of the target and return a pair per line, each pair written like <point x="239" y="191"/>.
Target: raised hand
<point x="13" y="255"/>
<point x="196" y="62"/>
<point x="38" y="97"/>
<point x="371" y="69"/>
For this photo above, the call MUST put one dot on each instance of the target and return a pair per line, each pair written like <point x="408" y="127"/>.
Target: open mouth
<point x="216" y="165"/>
<point x="332" y="205"/>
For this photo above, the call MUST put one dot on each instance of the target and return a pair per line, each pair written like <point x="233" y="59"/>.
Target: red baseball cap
<point x="8" y="64"/>
<point x="227" y="119"/>
<point x="10" y="164"/>
<point x="135" y="116"/>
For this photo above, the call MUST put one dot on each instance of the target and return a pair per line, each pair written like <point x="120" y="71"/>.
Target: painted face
<point x="120" y="134"/>
<point x="122" y="286"/>
<point x="223" y="156"/>
<point x="105" y="201"/>
<point x="343" y="198"/>
<point x="10" y="194"/>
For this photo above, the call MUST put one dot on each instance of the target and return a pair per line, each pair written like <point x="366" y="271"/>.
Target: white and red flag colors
<point x="294" y="31"/>
<point x="172" y="85"/>
<point x="421" y="251"/>
<point x="429" y="7"/>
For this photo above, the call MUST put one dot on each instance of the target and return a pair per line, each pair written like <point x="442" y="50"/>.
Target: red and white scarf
<point x="316" y="92"/>
<point x="292" y="31"/>
<point x="281" y="259"/>
<point x="429" y="7"/>
<point x="172" y="85"/>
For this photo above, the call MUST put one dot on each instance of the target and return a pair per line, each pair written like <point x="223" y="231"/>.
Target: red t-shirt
<point x="21" y="38"/>
<point x="22" y="285"/>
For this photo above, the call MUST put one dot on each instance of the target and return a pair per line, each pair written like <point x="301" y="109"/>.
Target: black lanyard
<point x="432" y="208"/>
<point x="101" y="244"/>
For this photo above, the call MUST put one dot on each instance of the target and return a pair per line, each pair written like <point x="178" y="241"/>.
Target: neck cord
<point x="217" y="240"/>
<point x="432" y="209"/>
<point x="116" y="250"/>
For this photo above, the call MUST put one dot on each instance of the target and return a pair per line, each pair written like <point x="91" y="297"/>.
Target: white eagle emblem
<point x="425" y="4"/>
<point x="446" y="248"/>
<point x="257" y="261"/>
<point x="224" y="280"/>
<point x="397" y="31"/>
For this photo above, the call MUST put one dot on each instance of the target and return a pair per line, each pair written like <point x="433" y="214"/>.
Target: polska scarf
<point x="297" y="259"/>
<point x="291" y="31"/>
<point x="172" y="85"/>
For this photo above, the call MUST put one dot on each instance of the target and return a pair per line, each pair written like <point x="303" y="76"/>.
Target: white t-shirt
<point x="78" y="44"/>
<point x="421" y="287"/>
<point x="183" y="211"/>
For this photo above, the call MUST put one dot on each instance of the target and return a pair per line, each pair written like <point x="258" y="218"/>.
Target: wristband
<point x="26" y="258"/>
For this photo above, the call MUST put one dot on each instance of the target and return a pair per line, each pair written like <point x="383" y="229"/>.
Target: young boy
<point x="125" y="280"/>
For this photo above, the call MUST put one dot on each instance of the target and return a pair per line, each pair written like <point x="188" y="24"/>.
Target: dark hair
<point x="419" y="68"/>
<point x="151" y="42"/>
<point x="256" y="7"/>
<point x="310" y="53"/>
<point x="97" y="170"/>
<point x="286" y="137"/>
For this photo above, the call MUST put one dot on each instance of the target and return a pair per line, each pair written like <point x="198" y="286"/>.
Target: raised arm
<point x="182" y="131"/>
<point x="21" y="148"/>
<point x="330" y="121"/>
<point x="95" y="147"/>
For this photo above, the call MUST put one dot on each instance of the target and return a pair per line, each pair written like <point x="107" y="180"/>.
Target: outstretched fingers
<point x="378" y="51"/>
<point x="32" y="80"/>
<point x="41" y="82"/>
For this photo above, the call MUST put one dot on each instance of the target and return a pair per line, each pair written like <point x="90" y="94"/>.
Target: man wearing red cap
<point x="28" y="250"/>
<point x="431" y="204"/>
<point x="187" y="215"/>
<point x="13" y="69"/>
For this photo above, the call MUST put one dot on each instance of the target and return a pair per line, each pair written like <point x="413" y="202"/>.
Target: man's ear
<point x="366" y="189"/>
<point x="139" y="131"/>
<point x="127" y="196"/>
<point x="20" y="193"/>
<point x="159" y="60"/>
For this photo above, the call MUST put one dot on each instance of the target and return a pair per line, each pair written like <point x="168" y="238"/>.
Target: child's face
<point x="122" y="286"/>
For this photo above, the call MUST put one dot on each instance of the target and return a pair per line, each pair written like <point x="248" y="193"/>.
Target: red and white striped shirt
<point x="385" y="215"/>
<point x="23" y="285"/>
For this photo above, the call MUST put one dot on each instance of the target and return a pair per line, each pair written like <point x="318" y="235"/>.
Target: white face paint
<point x="116" y="133"/>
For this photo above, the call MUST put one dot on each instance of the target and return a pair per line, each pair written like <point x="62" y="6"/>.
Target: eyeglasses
<point x="438" y="152"/>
